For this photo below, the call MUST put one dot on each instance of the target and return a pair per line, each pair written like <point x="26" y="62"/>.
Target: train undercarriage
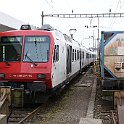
<point x="24" y="93"/>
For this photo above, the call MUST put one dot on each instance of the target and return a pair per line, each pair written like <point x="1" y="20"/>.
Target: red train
<point x="39" y="61"/>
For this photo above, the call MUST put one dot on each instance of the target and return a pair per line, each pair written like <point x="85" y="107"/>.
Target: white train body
<point x="72" y="58"/>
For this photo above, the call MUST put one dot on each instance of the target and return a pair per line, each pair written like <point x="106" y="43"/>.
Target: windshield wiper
<point x="7" y="63"/>
<point x="26" y="56"/>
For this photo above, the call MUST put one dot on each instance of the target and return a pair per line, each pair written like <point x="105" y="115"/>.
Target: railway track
<point x="22" y="115"/>
<point x="27" y="114"/>
<point x="110" y="108"/>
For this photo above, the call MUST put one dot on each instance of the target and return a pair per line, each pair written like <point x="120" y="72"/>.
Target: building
<point x="9" y="23"/>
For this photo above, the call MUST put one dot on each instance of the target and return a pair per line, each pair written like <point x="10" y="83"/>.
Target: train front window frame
<point x="36" y="48"/>
<point x="10" y="48"/>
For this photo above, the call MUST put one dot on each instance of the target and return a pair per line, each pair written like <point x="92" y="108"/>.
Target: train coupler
<point x="14" y="95"/>
<point x="17" y="95"/>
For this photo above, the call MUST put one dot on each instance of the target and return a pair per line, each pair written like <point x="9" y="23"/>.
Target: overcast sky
<point x="30" y="11"/>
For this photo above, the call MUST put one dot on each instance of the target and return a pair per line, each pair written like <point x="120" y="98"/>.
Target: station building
<point x="9" y="23"/>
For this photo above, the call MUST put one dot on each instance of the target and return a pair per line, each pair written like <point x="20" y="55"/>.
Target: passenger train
<point x="40" y="60"/>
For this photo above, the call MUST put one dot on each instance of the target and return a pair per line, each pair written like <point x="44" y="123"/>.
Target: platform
<point x="90" y="121"/>
<point x="89" y="117"/>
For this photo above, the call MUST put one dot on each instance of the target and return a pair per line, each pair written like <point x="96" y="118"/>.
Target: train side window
<point x="94" y="56"/>
<point x="87" y="55"/>
<point x="56" y="53"/>
<point x="75" y="56"/>
<point x="83" y="54"/>
<point x="72" y="55"/>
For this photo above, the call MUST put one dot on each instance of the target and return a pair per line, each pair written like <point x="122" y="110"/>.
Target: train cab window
<point x="36" y="49"/>
<point x="10" y="48"/>
<point x="56" y="53"/>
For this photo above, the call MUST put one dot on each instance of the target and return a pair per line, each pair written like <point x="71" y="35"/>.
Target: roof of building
<point x="9" y="22"/>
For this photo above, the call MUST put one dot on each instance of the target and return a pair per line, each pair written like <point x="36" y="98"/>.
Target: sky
<point x="30" y="12"/>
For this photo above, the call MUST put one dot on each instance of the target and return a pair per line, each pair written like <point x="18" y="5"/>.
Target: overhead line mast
<point x="100" y="15"/>
<point x="72" y="15"/>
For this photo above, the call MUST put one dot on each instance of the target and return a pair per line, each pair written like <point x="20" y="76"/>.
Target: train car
<point x="112" y="59"/>
<point x="39" y="61"/>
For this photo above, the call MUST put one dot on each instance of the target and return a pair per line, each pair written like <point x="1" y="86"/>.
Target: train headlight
<point x="2" y="75"/>
<point x="41" y="76"/>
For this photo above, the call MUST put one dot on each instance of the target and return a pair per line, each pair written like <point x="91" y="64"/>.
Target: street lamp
<point x="72" y="31"/>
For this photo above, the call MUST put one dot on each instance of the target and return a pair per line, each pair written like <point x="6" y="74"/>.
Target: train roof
<point x="26" y="32"/>
<point x="46" y="30"/>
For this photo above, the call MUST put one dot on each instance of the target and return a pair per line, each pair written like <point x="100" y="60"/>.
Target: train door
<point x="69" y="59"/>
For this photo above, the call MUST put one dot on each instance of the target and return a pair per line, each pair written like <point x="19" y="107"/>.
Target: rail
<point x="4" y="103"/>
<point x="29" y="115"/>
<point x="113" y="118"/>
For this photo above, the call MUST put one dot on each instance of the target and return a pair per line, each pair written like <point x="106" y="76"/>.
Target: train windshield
<point x="10" y="48"/>
<point x="36" y="49"/>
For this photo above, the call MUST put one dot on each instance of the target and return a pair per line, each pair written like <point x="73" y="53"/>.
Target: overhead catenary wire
<point x="111" y="10"/>
<point x="55" y="10"/>
<point x="118" y="9"/>
<point x="50" y="5"/>
<point x="113" y="20"/>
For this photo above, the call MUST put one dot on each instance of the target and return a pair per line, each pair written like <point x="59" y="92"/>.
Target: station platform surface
<point x="90" y="121"/>
<point x="89" y="117"/>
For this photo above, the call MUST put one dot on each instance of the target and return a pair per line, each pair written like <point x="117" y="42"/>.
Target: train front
<point x="25" y="62"/>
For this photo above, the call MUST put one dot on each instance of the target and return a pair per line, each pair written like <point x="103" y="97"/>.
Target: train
<point x="40" y="61"/>
<point x="112" y="60"/>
